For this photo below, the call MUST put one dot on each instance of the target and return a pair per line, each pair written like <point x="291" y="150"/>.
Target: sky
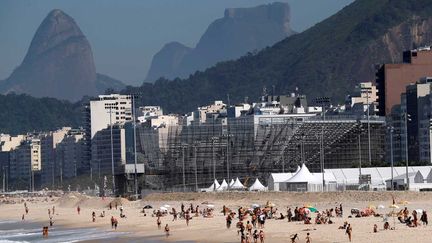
<point x="124" y="35"/>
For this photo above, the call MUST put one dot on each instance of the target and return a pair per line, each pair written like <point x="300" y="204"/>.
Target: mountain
<point x="241" y="30"/>
<point x="23" y="113"/>
<point x="328" y="59"/>
<point x="59" y="63"/>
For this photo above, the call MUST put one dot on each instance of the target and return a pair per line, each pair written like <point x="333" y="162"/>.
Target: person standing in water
<point x="167" y="230"/>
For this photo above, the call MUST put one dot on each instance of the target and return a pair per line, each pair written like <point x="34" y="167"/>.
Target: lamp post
<point x="135" y="151"/>
<point x="227" y="156"/>
<point x="391" y="130"/>
<point x="196" y="167"/>
<point x="213" y="139"/>
<point x="112" y="150"/>
<point x="183" y="166"/>
<point x="368" y="123"/>
<point x="407" y="119"/>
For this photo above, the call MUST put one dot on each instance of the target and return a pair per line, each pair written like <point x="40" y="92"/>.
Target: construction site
<point x="188" y="157"/>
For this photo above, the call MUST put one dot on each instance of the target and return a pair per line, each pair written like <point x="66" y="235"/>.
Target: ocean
<point x="24" y="231"/>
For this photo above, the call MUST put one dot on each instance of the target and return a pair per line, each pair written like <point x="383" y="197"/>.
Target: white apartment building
<point x="147" y="112"/>
<point x="106" y="109"/>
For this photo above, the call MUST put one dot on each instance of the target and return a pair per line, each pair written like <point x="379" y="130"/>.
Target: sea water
<point x="24" y="231"/>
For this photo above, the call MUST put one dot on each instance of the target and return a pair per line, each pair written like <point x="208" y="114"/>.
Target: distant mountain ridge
<point x="59" y="63"/>
<point x="328" y="59"/>
<point x="241" y="30"/>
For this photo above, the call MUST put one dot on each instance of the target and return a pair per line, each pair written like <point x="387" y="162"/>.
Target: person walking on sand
<point x="94" y="217"/>
<point x="53" y="210"/>
<point x="424" y="218"/>
<point x="78" y="209"/>
<point x="261" y="236"/>
<point x="110" y="206"/>
<point x="22" y="218"/>
<point x="112" y="222"/>
<point x="255" y="236"/>
<point x="308" y="238"/>
<point x="167" y="230"/>
<point x="294" y="238"/>
<point x="115" y="223"/>
<point x="375" y="228"/>
<point x="349" y="232"/>
<point x="158" y="222"/>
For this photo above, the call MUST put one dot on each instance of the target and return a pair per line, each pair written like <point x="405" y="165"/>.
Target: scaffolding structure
<point x="188" y="157"/>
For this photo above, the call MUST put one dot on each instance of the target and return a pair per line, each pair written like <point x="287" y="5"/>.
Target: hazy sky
<point x="125" y="35"/>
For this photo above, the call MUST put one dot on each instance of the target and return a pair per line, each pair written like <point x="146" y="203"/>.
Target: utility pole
<point x="183" y="169"/>
<point x="391" y="156"/>
<point x="135" y="151"/>
<point x="368" y="121"/>
<point x="406" y="149"/>
<point x="196" y="168"/>
<point x="112" y="151"/>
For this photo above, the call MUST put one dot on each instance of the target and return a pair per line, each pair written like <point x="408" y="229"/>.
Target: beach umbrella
<point x="403" y="202"/>
<point x="307" y="210"/>
<point x="210" y="205"/>
<point x="271" y="205"/>
<point x="381" y="206"/>
<point x="205" y="202"/>
<point x="419" y="211"/>
<point x="148" y="206"/>
<point x="371" y="207"/>
<point x="166" y="206"/>
<point x="255" y="205"/>
<point x="312" y="209"/>
<point x="393" y="206"/>
<point x="163" y="209"/>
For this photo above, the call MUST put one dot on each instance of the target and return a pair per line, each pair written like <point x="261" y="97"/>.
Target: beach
<point x="137" y="226"/>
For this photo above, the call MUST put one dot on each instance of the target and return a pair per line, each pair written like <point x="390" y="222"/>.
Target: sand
<point x="214" y="230"/>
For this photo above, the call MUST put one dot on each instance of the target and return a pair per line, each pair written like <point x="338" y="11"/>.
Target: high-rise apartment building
<point x="391" y="79"/>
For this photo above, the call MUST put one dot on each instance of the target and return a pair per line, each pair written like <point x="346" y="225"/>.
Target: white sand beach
<point x="214" y="229"/>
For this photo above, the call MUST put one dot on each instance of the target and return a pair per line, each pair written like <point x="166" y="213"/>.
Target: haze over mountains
<point x="325" y="60"/>
<point x="59" y="63"/>
<point x="328" y="59"/>
<point x="241" y="30"/>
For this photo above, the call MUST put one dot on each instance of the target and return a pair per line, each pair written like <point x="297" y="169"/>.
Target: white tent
<point x="213" y="187"/>
<point x="257" y="186"/>
<point x="231" y="182"/>
<point x="237" y="185"/>
<point x="304" y="180"/>
<point x="223" y="186"/>
<point x="297" y="170"/>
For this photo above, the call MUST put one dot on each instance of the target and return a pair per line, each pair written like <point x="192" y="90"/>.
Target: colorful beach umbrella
<point x="312" y="209"/>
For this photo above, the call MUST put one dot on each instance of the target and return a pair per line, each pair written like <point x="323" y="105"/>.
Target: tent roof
<point x="257" y="186"/>
<point x="281" y="177"/>
<point x="211" y="188"/>
<point x="304" y="175"/>
<point x="231" y="182"/>
<point x="223" y="186"/>
<point x="237" y="184"/>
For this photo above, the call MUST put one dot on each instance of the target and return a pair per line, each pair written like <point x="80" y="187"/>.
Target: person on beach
<point x="308" y="238"/>
<point x="115" y="223"/>
<point x="53" y="210"/>
<point x="289" y="214"/>
<point x="45" y="231"/>
<point x="228" y="221"/>
<point x="158" y="222"/>
<point x="340" y="210"/>
<point x="424" y="218"/>
<point x="49" y="212"/>
<point x="78" y="209"/>
<point x="249" y="227"/>
<point x="224" y="210"/>
<point x="255" y="236"/>
<point x="187" y="218"/>
<point x="110" y="206"/>
<point x="375" y="228"/>
<point x="261" y="236"/>
<point x="26" y="210"/>
<point x="112" y="222"/>
<point x="167" y="230"/>
<point x="294" y="238"/>
<point x="22" y="218"/>
<point x="51" y="222"/>
<point x="349" y="232"/>
<point x="94" y="216"/>
<point x="174" y="213"/>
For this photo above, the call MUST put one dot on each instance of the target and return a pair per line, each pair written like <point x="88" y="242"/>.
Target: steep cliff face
<point x="59" y="62"/>
<point x="328" y="59"/>
<point x="241" y="30"/>
<point x="167" y="61"/>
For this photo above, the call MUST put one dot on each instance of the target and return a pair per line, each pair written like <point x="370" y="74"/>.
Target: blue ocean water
<point x="24" y="231"/>
<point x="19" y="231"/>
